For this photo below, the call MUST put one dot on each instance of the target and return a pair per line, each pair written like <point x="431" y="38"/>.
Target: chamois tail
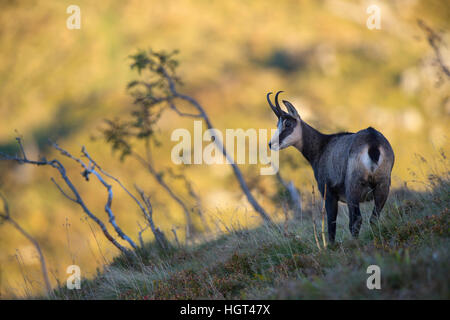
<point x="374" y="153"/>
<point x="372" y="157"/>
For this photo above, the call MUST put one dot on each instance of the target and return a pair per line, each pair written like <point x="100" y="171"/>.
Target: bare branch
<point x="76" y="196"/>
<point x="145" y="207"/>
<point x="219" y="144"/>
<point x="86" y="154"/>
<point x="5" y="214"/>
<point x="183" y="114"/>
<point x="163" y="183"/>
<point x="108" y="209"/>
<point x="434" y="40"/>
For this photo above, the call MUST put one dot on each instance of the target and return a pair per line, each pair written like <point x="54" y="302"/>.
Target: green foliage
<point x="117" y="134"/>
<point x="151" y="95"/>
<point x="154" y="61"/>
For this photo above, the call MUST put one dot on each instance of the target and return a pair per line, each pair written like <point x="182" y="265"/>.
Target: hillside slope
<point x="410" y="245"/>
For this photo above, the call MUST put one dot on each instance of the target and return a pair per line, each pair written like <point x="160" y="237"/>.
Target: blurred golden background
<point x="62" y="84"/>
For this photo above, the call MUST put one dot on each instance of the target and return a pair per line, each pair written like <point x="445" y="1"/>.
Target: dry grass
<point x="410" y="244"/>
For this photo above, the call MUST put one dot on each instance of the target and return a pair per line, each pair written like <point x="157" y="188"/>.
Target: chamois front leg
<point x="331" y="205"/>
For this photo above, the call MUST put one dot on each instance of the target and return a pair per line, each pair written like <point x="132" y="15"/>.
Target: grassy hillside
<point x="410" y="245"/>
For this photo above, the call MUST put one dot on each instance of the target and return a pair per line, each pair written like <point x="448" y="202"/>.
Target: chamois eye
<point x="288" y="124"/>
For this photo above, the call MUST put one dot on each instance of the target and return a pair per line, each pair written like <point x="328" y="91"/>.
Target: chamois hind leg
<point x="380" y="195"/>
<point x="353" y="196"/>
<point x="355" y="219"/>
<point x="331" y="205"/>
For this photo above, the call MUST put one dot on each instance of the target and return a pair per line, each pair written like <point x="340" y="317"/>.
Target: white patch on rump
<point x="368" y="163"/>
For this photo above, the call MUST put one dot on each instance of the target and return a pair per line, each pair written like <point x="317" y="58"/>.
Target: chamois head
<point x="289" y="130"/>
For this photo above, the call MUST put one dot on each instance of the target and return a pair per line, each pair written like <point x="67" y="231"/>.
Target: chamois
<point x="348" y="167"/>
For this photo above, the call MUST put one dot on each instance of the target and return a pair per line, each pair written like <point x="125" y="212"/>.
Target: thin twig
<point x="293" y="194"/>
<point x="19" y="141"/>
<point x="315" y="234"/>
<point x="6" y="216"/>
<point x="62" y="191"/>
<point x="324" y="240"/>
<point x="316" y="238"/>
<point x="190" y="188"/>
<point x="176" y="237"/>
<point x="141" y="230"/>
<point x="159" y="235"/>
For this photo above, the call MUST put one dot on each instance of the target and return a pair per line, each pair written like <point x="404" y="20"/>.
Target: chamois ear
<point x="291" y="109"/>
